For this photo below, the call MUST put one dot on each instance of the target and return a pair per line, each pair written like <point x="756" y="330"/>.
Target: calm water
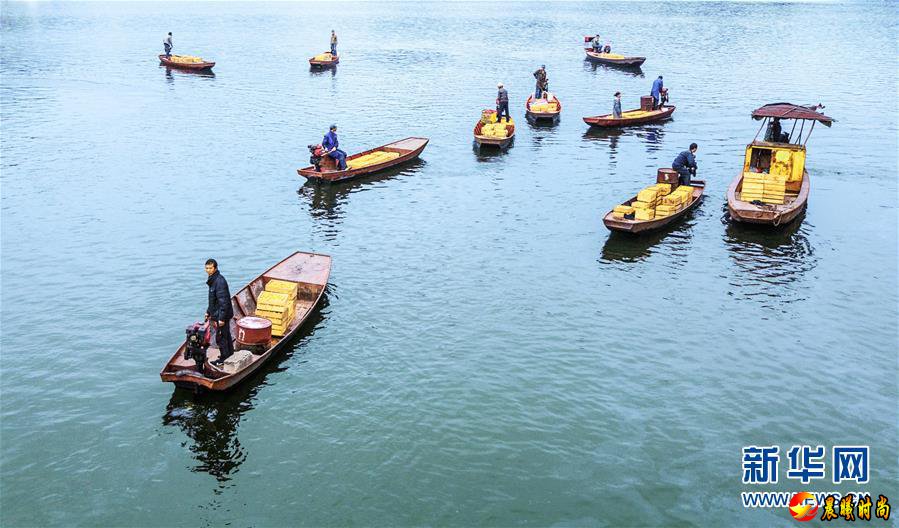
<point x="487" y="353"/>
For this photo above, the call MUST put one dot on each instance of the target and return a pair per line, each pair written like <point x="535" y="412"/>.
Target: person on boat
<point x="597" y="44"/>
<point x="774" y="134"/>
<point x="616" y="106"/>
<point x="542" y="82"/>
<point x="685" y="164"/>
<point x="333" y="43"/>
<point x="219" y="311"/>
<point x="656" y="92"/>
<point x="330" y="144"/>
<point x="167" y="45"/>
<point x="502" y="103"/>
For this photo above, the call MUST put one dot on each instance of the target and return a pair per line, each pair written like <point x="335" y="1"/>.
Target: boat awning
<point x="792" y="111"/>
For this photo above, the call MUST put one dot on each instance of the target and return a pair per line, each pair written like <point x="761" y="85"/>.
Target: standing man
<point x="502" y="103"/>
<point x="330" y="144"/>
<point x="656" y="92"/>
<point x="219" y="312"/>
<point x="333" y="43"/>
<point x="685" y="164"/>
<point x="167" y="45"/>
<point x="616" y="106"/>
<point x="542" y="82"/>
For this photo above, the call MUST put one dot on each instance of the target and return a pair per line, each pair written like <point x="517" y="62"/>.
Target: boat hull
<point x="771" y="215"/>
<point x="324" y="64"/>
<point x="193" y="66"/>
<point x="636" y="227"/>
<point x="409" y="149"/>
<point x="550" y="117"/>
<point x="600" y="58"/>
<point x="608" y="121"/>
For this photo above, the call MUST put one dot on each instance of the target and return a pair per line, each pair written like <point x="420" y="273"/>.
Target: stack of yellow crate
<point x="495" y="130"/>
<point x="488" y="116"/>
<point x="645" y="204"/>
<point x="323" y="56"/>
<point x="767" y="188"/>
<point x="277" y="304"/>
<point x="675" y="201"/>
<point x="621" y="210"/>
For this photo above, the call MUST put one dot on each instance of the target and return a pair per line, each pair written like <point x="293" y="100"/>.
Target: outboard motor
<point x="197" y="342"/>
<point x="315" y="156"/>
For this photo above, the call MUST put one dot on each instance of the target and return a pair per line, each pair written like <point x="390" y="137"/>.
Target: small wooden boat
<point x="631" y="117"/>
<point x="323" y="60"/>
<point x="613" y="59"/>
<point x="405" y="150"/>
<point x="645" y="226"/>
<point x="491" y="140"/>
<point x="542" y="115"/>
<point x="310" y="271"/>
<point x="779" y="164"/>
<point x="194" y="66"/>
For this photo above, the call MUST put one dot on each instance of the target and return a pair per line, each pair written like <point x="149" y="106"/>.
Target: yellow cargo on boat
<point x="663" y="188"/>
<point x="650" y="194"/>
<point x="280" y="286"/>
<point x="637" y="204"/>
<point x="645" y="214"/>
<point x="267" y="297"/>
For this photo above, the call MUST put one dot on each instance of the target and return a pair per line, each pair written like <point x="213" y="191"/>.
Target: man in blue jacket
<point x="656" y="92"/>
<point x="330" y="144"/>
<point x="219" y="312"/>
<point x="685" y="164"/>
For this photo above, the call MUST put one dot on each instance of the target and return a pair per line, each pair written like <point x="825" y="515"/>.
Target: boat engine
<point x="315" y="156"/>
<point x="196" y="343"/>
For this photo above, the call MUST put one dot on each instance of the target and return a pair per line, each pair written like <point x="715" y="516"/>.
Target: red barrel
<point x="254" y="331"/>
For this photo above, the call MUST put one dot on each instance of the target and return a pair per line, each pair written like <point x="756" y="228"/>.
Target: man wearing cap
<point x="329" y="143"/>
<point x="167" y="45"/>
<point x="333" y="43"/>
<point x="656" y="92"/>
<point x="616" y="106"/>
<point x="502" y="103"/>
<point x="542" y="83"/>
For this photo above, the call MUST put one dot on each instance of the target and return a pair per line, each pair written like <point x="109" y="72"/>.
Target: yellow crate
<point x="280" y="286"/>
<point x="645" y="214"/>
<point x="637" y="204"/>
<point x="650" y="194"/>
<point x="275" y="298"/>
<point x="663" y="188"/>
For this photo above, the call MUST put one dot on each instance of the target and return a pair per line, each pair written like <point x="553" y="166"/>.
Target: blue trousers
<point x="340" y="156"/>
<point x="500" y="108"/>
<point x="168" y="49"/>
<point x="333" y="49"/>
<point x="683" y="175"/>
<point x="538" y="93"/>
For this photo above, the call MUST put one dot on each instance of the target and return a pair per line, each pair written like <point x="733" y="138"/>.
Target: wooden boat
<point x="318" y="63"/>
<point x="408" y="149"/>
<point x="613" y="59"/>
<point x="542" y="116"/>
<point x="631" y="117"/>
<point x="645" y="226"/>
<point x="784" y="157"/>
<point x="309" y="270"/>
<point x="492" y="141"/>
<point x="194" y="66"/>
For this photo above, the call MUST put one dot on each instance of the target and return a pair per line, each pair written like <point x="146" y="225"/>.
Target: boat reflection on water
<point x="633" y="71"/>
<point x="625" y="247"/>
<point x="653" y="136"/>
<point x="170" y="73"/>
<point x="490" y="153"/>
<point x="315" y="71"/>
<point x="769" y="264"/>
<point x="210" y="419"/>
<point x="609" y="136"/>
<point x="326" y="199"/>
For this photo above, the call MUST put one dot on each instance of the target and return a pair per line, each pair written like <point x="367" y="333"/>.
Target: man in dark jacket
<point x="219" y="312"/>
<point x="502" y="103"/>
<point x="685" y="164"/>
<point x="542" y="83"/>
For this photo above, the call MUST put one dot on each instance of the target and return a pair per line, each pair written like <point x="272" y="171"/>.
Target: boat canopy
<point x="792" y="111"/>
